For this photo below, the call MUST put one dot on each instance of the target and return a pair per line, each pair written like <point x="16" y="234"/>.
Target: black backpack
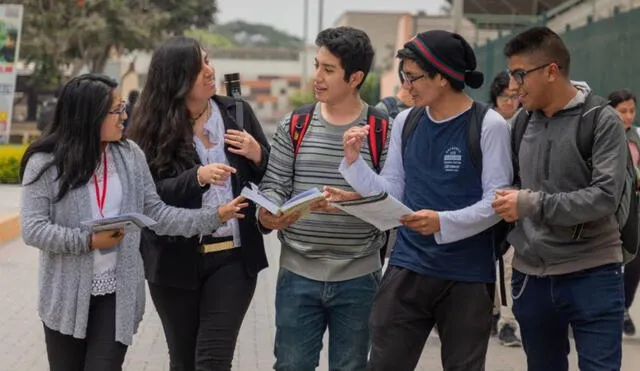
<point x="627" y="212"/>
<point x="392" y="106"/>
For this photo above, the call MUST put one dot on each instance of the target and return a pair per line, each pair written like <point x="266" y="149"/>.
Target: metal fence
<point x="603" y="53"/>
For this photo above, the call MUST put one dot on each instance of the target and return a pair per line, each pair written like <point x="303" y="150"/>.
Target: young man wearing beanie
<point x="441" y="270"/>
<point x="566" y="268"/>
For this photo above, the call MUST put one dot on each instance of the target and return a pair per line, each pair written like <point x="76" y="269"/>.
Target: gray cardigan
<point x="66" y="264"/>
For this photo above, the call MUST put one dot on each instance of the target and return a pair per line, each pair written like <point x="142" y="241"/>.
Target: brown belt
<point x="214" y="247"/>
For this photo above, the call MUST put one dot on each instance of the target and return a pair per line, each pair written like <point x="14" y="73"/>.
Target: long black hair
<point x="74" y="135"/>
<point x="161" y="124"/>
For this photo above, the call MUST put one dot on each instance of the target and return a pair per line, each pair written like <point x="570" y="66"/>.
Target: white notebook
<point x="300" y="202"/>
<point x="125" y="221"/>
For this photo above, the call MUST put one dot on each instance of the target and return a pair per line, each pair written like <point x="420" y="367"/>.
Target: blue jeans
<point x="591" y="301"/>
<point x="304" y="310"/>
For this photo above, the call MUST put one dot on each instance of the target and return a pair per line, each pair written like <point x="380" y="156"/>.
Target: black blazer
<point x="173" y="261"/>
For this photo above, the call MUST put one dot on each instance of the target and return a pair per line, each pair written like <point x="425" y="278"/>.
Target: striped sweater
<point x="322" y="246"/>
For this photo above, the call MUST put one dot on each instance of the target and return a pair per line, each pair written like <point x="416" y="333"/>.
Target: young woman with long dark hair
<point x="199" y="155"/>
<point x="91" y="297"/>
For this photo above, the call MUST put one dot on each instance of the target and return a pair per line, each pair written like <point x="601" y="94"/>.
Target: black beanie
<point x="450" y="54"/>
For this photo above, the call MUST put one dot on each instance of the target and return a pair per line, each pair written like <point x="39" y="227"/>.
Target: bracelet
<point x="91" y="242"/>
<point x="198" y="177"/>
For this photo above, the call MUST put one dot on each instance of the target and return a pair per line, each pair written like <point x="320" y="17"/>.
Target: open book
<point x="381" y="210"/>
<point x="300" y="202"/>
<point x="130" y="221"/>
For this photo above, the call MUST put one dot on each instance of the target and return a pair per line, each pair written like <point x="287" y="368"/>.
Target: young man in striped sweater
<point x="329" y="264"/>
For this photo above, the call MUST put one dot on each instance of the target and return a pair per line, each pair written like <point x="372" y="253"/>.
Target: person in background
<point x="393" y="105"/>
<point x="91" y="287"/>
<point x="199" y="155"/>
<point x="624" y="102"/>
<point x="504" y="96"/>
<point x="504" y="99"/>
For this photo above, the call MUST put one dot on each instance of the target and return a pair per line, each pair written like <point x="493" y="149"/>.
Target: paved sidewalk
<point x="22" y="345"/>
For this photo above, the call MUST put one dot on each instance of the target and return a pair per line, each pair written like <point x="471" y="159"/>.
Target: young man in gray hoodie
<point x="567" y="263"/>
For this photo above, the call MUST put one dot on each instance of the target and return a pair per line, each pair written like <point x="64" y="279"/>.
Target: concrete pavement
<point x="22" y="341"/>
<point x="22" y="344"/>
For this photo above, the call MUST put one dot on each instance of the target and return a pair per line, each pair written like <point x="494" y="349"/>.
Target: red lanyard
<point x="101" y="197"/>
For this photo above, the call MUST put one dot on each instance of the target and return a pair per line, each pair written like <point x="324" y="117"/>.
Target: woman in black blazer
<point x="198" y="154"/>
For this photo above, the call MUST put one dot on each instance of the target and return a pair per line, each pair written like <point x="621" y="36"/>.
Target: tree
<point x="187" y="14"/>
<point x="63" y="34"/>
<point x="370" y="90"/>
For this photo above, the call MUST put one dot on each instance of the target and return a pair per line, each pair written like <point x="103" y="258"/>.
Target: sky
<point x="287" y="15"/>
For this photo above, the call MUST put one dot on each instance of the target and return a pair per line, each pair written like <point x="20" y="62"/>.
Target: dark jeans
<point x="631" y="280"/>
<point x="591" y="301"/>
<point x="407" y="307"/>
<point x="201" y="326"/>
<point x="98" y="351"/>
<point x="305" y="308"/>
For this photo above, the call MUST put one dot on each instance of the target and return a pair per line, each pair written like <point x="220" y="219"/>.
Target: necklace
<point x="198" y="116"/>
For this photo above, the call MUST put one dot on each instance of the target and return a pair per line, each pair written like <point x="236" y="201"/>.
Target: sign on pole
<point x="10" y="32"/>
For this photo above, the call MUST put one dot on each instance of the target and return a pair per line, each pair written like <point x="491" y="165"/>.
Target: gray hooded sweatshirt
<point x="567" y="210"/>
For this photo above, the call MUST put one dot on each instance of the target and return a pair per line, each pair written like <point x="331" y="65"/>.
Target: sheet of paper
<point x="381" y="211"/>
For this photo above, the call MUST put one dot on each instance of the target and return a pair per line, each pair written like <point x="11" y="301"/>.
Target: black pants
<point x="631" y="280"/>
<point x="98" y="351"/>
<point x="201" y="326"/>
<point x="407" y="307"/>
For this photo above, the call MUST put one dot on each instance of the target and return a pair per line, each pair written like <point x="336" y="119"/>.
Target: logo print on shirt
<point x="452" y="159"/>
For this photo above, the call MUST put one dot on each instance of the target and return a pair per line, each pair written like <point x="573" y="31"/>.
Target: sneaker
<point x="628" y="327"/>
<point x="494" y="324"/>
<point x="508" y="337"/>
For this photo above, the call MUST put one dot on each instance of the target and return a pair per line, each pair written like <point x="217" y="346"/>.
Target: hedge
<point x="10" y="156"/>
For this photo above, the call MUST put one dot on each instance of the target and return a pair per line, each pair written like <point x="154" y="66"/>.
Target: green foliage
<point x="10" y="156"/>
<point x="248" y="34"/>
<point x="210" y="39"/>
<point x="370" y="90"/>
<point x="301" y="97"/>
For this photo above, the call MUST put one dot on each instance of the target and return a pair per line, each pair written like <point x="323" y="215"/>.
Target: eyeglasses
<point x="121" y="108"/>
<point x="409" y="79"/>
<point x="519" y="74"/>
<point x="506" y="97"/>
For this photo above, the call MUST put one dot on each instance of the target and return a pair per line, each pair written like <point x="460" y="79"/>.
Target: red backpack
<point x="378" y="125"/>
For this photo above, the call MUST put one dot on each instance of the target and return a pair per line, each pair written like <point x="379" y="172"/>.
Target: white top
<point x="217" y="195"/>
<point x="104" y="261"/>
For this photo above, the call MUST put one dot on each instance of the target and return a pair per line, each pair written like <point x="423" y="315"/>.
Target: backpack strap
<point x="410" y="125"/>
<point x="300" y="119"/>
<point x="392" y="106"/>
<point x="476" y="118"/>
<point x="585" y="133"/>
<point x="378" y="123"/>
<point x="517" y="132"/>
